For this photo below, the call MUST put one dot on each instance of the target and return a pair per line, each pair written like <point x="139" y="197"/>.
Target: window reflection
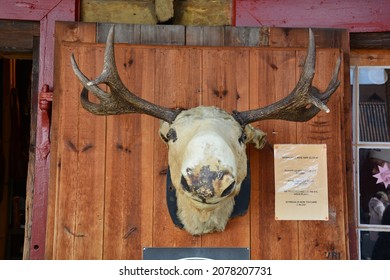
<point x="374" y="105"/>
<point x="371" y="140"/>
<point x="378" y="249"/>
<point x="367" y="246"/>
<point x="374" y="184"/>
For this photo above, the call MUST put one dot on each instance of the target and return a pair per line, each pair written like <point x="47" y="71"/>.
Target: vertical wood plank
<point x="70" y="32"/>
<point x="348" y="160"/>
<point x="32" y="156"/>
<point x="144" y="80"/>
<point x="178" y="75"/>
<point x="246" y="36"/>
<point x="272" y="78"/>
<point x="225" y="77"/>
<point x="226" y="85"/>
<point x="124" y="33"/>
<point x="205" y="36"/>
<point x="321" y="239"/>
<point x="162" y="35"/>
<point x="89" y="219"/>
<point x="66" y="207"/>
<point x="178" y="84"/>
<point x="123" y="213"/>
<point x="129" y="191"/>
<point x="86" y="168"/>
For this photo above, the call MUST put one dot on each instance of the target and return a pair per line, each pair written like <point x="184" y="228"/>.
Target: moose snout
<point x="205" y="183"/>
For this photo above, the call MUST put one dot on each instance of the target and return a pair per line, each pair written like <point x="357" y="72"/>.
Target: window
<point x="371" y="143"/>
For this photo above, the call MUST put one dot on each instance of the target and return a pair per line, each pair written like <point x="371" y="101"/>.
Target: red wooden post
<point x="46" y="12"/>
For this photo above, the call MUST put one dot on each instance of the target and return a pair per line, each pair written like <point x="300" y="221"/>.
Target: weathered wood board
<point x="107" y="182"/>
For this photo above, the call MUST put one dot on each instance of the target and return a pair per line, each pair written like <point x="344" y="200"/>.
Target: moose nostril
<point x="228" y="190"/>
<point x="184" y="184"/>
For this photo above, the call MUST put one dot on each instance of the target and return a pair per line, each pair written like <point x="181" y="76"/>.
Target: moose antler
<point x="208" y="162"/>
<point x="303" y="103"/>
<point x="119" y="100"/>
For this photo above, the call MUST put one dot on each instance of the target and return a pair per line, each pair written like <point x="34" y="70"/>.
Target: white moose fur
<point x="208" y="136"/>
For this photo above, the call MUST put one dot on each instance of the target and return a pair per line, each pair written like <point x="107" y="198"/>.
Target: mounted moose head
<point x="207" y="146"/>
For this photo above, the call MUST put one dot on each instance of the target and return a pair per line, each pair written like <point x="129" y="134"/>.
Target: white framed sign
<point x="301" y="182"/>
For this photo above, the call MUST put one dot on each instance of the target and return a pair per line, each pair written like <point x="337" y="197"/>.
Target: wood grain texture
<point x="320" y="239"/>
<point x="177" y="84"/>
<point x="370" y="40"/>
<point x="272" y="77"/>
<point x="129" y="148"/>
<point x="111" y="171"/>
<point x="16" y="37"/>
<point x="90" y="190"/>
<point x="370" y="58"/>
<point x="70" y="33"/>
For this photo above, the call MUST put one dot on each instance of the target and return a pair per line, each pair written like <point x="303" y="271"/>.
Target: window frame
<point x="363" y="59"/>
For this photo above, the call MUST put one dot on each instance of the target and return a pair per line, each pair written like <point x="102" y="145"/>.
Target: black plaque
<point x="196" y="253"/>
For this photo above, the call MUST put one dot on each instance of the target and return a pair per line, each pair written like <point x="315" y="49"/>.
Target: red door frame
<point x="46" y="12"/>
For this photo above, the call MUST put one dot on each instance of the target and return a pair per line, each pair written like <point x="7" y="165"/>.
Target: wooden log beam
<point x="370" y="40"/>
<point x="16" y="38"/>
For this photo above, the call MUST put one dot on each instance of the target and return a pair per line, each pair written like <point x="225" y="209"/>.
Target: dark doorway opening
<point x="15" y="104"/>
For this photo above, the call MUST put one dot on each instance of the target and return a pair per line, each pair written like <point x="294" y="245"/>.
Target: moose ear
<point x="164" y="130"/>
<point x="255" y="136"/>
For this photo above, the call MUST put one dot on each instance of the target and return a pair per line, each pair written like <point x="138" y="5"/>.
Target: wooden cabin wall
<point x="107" y="179"/>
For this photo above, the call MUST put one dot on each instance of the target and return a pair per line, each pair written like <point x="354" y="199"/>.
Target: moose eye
<point x="164" y="138"/>
<point x="171" y="135"/>
<point x="228" y="190"/>
<point x="242" y="138"/>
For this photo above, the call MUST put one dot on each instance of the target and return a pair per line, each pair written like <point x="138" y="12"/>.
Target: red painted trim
<point x="26" y="10"/>
<point x="46" y="12"/>
<point x="234" y="12"/>
<point x="354" y="15"/>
